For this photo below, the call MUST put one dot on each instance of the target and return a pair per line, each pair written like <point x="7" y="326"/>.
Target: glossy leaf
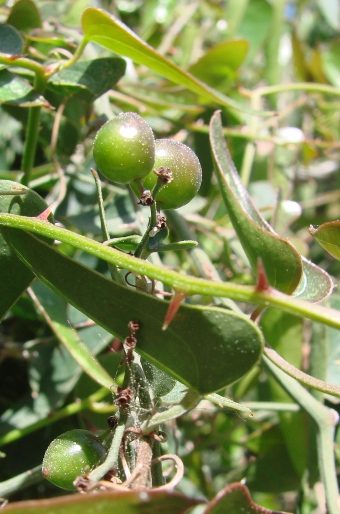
<point x="219" y="63"/>
<point x="24" y="16"/>
<point x="17" y="277"/>
<point x="281" y="261"/>
<point x="10" y="40"/>
<point x="108" y="31"/>
<point x="328" y="236"/>
<point x="107" y="503"/>
<point x="205" y="348"/>
<point x="236" y="499"/>
<point x="81" y="79"/>
<point x="15" y="90"/>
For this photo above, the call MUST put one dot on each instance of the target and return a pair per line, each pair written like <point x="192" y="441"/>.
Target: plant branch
<point x="187" y="284"/>
<point x="20" y="482"/>
<point x="69" y="410"/>
<point x="299" y="375"/>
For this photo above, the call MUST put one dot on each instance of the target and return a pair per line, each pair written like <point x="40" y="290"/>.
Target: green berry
<point x="186" y="174"/>
<point x="124" y="148"/>
<point x="70" y="455"/>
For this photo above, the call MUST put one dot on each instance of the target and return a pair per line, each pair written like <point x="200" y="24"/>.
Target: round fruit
<point x="124" y="148"/>
<point x="186" y="174"/>
<point x="71" y="455"/>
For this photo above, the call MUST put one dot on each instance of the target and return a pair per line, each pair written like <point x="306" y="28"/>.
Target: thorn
<point x="262" y="281"/>
<point x="174" y="305"/>
<point x="45" y="214"/>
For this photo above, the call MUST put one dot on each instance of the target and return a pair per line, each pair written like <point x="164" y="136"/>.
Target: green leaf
<point x="281" y="261"/>
<point x="331" y="63"/>
<point x="163" y="98"/>
<point x="315" y="284"/>
<point x="24" y="16"/>
<point x="16" y="277"/>
<point x="108" y="31"/>
<point x="236" y="499"/>
<point x="255" y="26"/>
<point x="81" y="79"/>
<point x="55" y="312"/>
<point x="328" y="236"/>
<point x="219" y="64"/>
<point x="10" y="40"/>
<point x="108" y="502"/>
<point x="15" y="90"/>
<point x="205" y="348"/>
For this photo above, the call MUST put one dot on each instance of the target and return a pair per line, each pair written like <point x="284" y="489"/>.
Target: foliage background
<point x="267" y="49"/>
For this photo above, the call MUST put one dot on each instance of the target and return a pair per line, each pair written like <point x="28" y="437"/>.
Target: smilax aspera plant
<point x="169" y="344"/>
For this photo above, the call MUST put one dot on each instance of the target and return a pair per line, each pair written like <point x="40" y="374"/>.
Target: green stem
<point x="298" y="86"/>
<point x="115" y="275"/>
<point x="23" y="62"/>
<point x="77" y="54"/>
<point x="203" y="264"/>
<point x="300" y="376"/>
<point x="187" y="284"/>
<point x="20" y="482"/>
<point x="142" y="249"/>
<point x="156" y="470"/>
<point x="30" y="143"/>
<point x="69" y="410"/>
<point x="325" y="420"/>
<point x="113" y="454"/>
<point x="32" y="129"/>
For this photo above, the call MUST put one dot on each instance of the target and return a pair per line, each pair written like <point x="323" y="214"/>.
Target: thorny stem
<point x="187" y="284"/>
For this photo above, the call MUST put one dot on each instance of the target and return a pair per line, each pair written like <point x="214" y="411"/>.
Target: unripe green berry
<point x="186" y="174"/>
<point x="124" y="148"/>
<point x="70" y="455"/>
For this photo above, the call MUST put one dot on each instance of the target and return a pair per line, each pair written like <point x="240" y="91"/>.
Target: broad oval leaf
<point x="10" y="40"/>
<point x="24" y="15"/>
<point x="328" y="236"/>
<point x="81" y="79"/>
<point x="16" y="199"/>
<point x="15" y="90"/>
<point x="130" y="502"/>
<point x="205" y="348"/>
<point x="106" y="30"/>
<point x="282" y="263"/>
